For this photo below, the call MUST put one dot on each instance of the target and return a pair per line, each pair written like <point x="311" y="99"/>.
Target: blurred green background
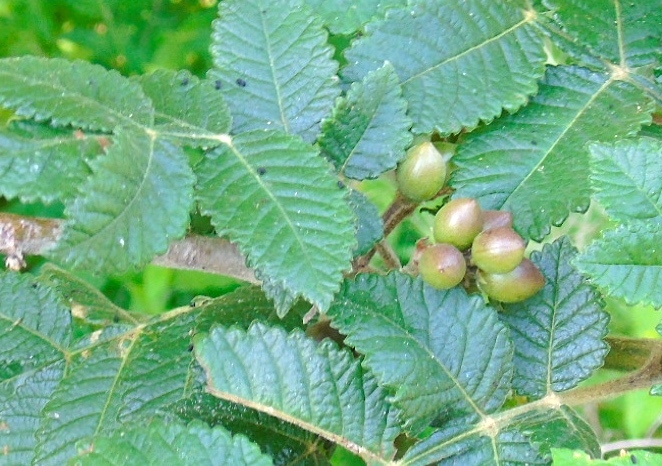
<point x="140" y="36"/>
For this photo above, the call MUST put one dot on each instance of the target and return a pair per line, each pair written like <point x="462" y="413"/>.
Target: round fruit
<point x="458" y="223"/>
<point x="517" y="285"/>
<point x="422" y="174"/>
<point x="496" y="219"/>
<point x="442" y="266"/>
<point x="498" y="250"/>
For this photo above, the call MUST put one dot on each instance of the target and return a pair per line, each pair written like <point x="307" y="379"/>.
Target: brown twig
<point x="35" y="236"/>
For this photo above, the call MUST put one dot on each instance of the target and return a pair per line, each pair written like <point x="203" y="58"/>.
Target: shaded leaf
<point x="42" y="164"/>
<point x="559" y="427"/>
<point x="86" y="302"/>
<point x="115" y="380"/>
<point x="348" y="16"/>
<point x="244" y="306"/>
<point x="505" y="438"/>
<point x="188" y="110"/>
<point x="623" y="33"/>
<point x="459" y="62"/>
<point x="627" y="178"/>
<point x="369" y="224"/>
<point x="71" y="93"/>
<point x="627" y="262"/>
<point x="285" y="443"/>
<point x="442" y="353"/>
<point x="535" y="163"/>
<point x="173" y="444"/>
<point x="558" y="333"/>
<point x="35" y="330"/>
<point x="274" y="66"/>
<point x="135" y="203"/>
<point x="275" y="197"/>
<point x="368" y="132"/>
<point x="314" y="386"/>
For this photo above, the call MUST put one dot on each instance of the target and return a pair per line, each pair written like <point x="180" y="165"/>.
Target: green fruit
<point x="498" y="250"/>
<point x="422" y="174"/>
<point x="458" y="223"/>
<point x="496" y="219"/>
<point x="517" y="285"/>
<point x="442" y="266"/>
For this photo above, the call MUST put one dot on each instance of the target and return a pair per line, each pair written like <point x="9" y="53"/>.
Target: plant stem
<point x="36" y="236"/>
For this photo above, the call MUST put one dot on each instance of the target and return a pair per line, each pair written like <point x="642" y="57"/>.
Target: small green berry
<point x="422" y="173"/>
<point x="458" y="223"/>
<point x="498" y="250"/>
<point x="519" y="284"/>
<point x="442" y="266"/>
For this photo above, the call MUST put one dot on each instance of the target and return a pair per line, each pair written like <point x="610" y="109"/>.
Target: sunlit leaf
<point x="459" y="62"/>
<point x="274" y="66"/>
<point x="535" y="163"/>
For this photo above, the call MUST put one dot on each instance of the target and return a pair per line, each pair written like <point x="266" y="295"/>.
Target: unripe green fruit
<point x="458" y="223"/>
<point x="517" y="285"/>
<point x="496" y="219"/>
<point x="498" y="250"/>
<point x="442" y="266"/>
<point x="422" y="174"/>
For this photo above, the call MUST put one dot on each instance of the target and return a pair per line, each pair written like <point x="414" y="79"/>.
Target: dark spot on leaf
<point x="534" y="143"/>
<point x="185" y="82"/>
<point x="116" y="318"/>
<point x="240" y="82"/>
<point x="633" y="459"/>
<point x="341" y="185"/>
<point x="190" y="348"/>
<point x="261" y="171"/>
<point x="34" y="285"/>
<point x="217" y="84"/>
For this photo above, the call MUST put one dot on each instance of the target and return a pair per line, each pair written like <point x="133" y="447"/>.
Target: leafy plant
<point x="262" y="170"/>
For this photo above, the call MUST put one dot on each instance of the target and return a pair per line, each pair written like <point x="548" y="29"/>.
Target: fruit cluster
<point x="467" y="238"/>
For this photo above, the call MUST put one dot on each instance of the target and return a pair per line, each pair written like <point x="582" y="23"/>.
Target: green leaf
<point x="86" y="302"/>
<point x="242" y="307"/>
<point x="285" y="443"/>
<point x="559" y="333"/>
<point x="558" y="427"/>
<point x="274" y="196"/>
<point x="35" y="330"/>
<point x="113" y="379"/>
<point x="135" y="203"/>
<point x="627" y="34"/>
<point x="173" y="444"/>
<point x="369" y="224"/>
<point x="627" y="262"/>
<point x="348" y="16"/>
<point x="369" y="130"/>
<point x="188" y="110"/>
<point x="566" y="457"/>
<point x="454" y="445"/>
<point x="511" y="437"/>
<point x="67" y="93"/>
<point x="42" y="164"/>
<point x="535" y="163"/>
<point x="459" y="62"/>
<point x="442" y="353"/>
<point x="627" y="178"/>
<point x="274" y="66"/>
<point x="314" y="386"/>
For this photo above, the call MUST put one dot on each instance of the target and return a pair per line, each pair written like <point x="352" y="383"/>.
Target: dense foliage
<point x="262" y="146"/>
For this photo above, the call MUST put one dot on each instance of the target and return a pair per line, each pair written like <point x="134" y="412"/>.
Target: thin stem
<point x="631" y="444"/>
<point x="388" y="254"/>
<point x="36" y="236"/>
